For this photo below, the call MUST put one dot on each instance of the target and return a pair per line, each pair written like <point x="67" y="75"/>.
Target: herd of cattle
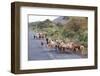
<point x="61" y="46"/>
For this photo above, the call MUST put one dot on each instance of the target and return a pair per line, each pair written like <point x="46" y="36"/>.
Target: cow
<point x="78" y="48"/>
<point x="51" y="44"/>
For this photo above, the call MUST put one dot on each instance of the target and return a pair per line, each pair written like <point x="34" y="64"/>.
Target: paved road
<point x="38" y="52"/>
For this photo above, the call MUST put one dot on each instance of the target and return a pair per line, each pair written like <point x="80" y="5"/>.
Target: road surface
<point x="38" y="52"/>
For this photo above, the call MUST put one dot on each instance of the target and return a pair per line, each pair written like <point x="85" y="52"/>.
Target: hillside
<point x="61" y="20"/>
<point x="66" y="28"/>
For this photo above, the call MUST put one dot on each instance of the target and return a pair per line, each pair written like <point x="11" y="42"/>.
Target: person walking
<point x="42" y="43"/>
<point x="47" y="40"/>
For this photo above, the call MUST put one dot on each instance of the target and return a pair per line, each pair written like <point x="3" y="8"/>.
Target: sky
<point x="34" y="18"/>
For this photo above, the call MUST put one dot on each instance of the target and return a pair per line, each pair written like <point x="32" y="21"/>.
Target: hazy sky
<point x="33" y="18"/>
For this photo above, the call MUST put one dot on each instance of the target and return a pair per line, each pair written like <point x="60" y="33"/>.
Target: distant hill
<point x="68" y="22"/>
<point x="42" y="24"/>
<point x="61" y="20"/>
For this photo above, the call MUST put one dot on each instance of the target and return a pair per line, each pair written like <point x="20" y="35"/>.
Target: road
<point x="38" y="52"/>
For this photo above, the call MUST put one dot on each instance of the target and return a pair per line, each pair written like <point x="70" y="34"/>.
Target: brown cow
<point x="51" y="44"/>
<point x="78" y="48"/>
